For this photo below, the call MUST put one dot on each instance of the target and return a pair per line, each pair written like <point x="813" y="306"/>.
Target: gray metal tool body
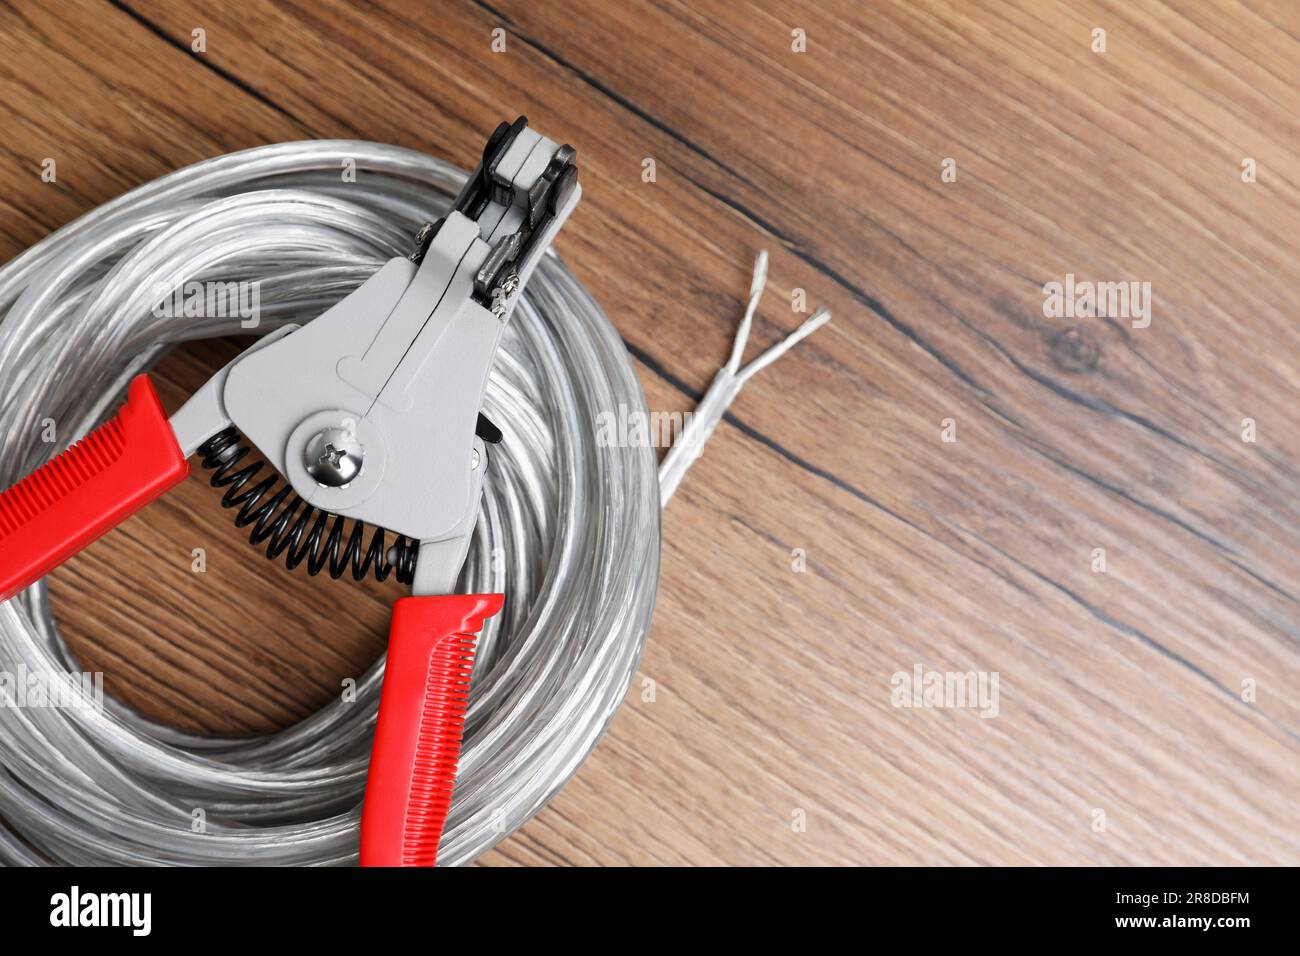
<point x="370" y="411"/>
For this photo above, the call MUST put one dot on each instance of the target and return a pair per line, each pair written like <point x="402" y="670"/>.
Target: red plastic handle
<point x="91" y="488"/>
<point x="421" y="723"/>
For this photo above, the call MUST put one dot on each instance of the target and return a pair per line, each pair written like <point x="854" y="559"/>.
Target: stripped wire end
<point x="727" y="385"/>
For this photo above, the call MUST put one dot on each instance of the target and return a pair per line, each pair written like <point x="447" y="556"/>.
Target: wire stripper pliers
<point x="371" y="412"/>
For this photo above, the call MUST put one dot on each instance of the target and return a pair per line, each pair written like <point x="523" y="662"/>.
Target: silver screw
<point x="509" y="286"/>
<point x="334" y="457"/>
<point x="421" y="237"/>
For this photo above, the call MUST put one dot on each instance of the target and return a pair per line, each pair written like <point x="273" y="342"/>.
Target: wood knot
<point x="1074" y="349"/>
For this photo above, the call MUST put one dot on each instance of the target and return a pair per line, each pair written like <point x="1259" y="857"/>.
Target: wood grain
<point x="1120" y="691"/>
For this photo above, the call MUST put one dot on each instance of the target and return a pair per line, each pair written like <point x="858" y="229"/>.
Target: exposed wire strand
<point x="726" y="385"/>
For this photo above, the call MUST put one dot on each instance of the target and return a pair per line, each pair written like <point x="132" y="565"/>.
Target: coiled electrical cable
<point x="569" y="527"/>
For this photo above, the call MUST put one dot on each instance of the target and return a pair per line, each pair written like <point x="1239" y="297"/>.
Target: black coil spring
<point x="289" y="529"/>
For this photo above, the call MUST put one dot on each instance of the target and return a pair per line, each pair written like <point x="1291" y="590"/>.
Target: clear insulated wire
<point x="569" y="527"/>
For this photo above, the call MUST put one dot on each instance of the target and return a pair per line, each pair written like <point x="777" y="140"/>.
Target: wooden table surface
<point x="1147" y="713"/>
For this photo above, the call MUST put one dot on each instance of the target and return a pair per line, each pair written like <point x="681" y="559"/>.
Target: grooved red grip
<point x="91" y="488"/>
<point x="421" y="723"/>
